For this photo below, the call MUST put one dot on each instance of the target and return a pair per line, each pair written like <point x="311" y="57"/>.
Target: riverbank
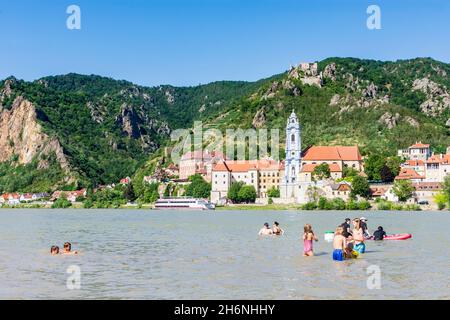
<point x="245" y="207"/>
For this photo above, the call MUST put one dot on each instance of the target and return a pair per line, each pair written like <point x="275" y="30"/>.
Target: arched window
<point x="293" y="138"/>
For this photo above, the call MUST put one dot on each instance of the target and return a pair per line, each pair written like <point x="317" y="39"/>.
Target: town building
<point x="199" y="162"/>
<point x="409" y="174"/>
<point x="261" y="174"/>
<point x="416" y="165"/>
<point x="298" y="181"/>
<point x="437" y="167"/>
<point x="418" y="151"/>
<point x="338" y="190"/>
<point x="425" y="191"/>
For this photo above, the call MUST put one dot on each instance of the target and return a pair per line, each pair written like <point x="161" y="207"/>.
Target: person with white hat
<point x="366" y="232"/>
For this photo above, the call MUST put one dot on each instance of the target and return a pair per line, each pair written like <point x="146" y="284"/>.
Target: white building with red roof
<point x="437" y="167"/>
<point x="418" y="151"/>
<point x="299" y="166"/>
<point x="261" y="174"/>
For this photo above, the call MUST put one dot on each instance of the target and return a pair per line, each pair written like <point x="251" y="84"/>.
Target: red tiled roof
<point x="423" y="186"/>
<point x="246" y="165"/>
<point x="321" y="153"/>
<point x="419" y="145"/>
<point x="377" y="191"/>
<point x="414" y="163"/>
<point x="408" y="174"/>
<point x="310" y="167"/>
<point x="439" y="158"/>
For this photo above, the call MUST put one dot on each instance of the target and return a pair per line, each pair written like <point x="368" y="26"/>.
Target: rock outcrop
<point x="438" y="99"/>
<point x="22" y="136"/>
<point x="135" y="124"/>
<point x="307" y="73"/>
<point x="389" y="120"/>
<point x="260" y="118"/>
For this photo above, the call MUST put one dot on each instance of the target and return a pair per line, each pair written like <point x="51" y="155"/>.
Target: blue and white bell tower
<point x="289" y="186"/>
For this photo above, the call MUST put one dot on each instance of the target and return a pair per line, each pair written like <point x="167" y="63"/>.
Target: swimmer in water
<point x="276" y="229"/>
<point x="67" y="249"/>
<point x="265" y="230"/>
<point x="54" y="250"/>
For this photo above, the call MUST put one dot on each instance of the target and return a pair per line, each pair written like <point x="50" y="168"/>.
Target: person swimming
<point x="339" y="245"/>
<point x="379" y="234"/>
<point x="276" y="229"/>
<point x="358" y="236"/>
<point x="308" y="237"/>
<point x="54" y="250"/>
<point x="67" y="249"/>
<point x="265" y="230"/>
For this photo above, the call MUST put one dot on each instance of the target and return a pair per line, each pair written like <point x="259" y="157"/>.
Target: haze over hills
<point x="78" y="130"/>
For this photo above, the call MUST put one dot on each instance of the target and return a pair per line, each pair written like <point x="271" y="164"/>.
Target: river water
<point x="145" y="254"/>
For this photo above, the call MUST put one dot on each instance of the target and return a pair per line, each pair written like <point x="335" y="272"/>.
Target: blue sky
<point x="187" y="42"/>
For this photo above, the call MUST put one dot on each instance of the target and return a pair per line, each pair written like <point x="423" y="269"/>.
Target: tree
<point x="446" y="188"/>
<point x="360" y="187"/>
<point x="349" y="172"/>
<point x="441" y="200"/>
<point x="128" y="193"/>
<point x="198" y="188"/>
<point x="247" y="194"/>
<point x="386" y="174"/>
<point x="393" y="163"/>
<point x="373" y="166"/>
<point x="273" y="192"/>
<point x="61" y="203"/>
<point x="403" y="189"/>
<point x="322" y="171"/>
<point x="233" y="191"/>
<point x="321" y="204"/>
<point x="150" y="193"/>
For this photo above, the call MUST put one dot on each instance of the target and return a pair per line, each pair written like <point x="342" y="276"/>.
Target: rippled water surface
<point x="142" y="254"/>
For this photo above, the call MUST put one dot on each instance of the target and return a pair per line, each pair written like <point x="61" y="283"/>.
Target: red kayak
<point x="402" y="236"/>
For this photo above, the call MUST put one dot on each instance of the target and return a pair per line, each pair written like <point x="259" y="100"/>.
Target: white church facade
<point x="297" y="185"/>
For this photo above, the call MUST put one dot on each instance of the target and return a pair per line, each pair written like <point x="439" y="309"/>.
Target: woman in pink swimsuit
<point x="308" y="237"/>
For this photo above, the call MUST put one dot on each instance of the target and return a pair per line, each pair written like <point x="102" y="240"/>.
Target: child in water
<point x="308" y="237"/>
<point x="68" y="248"/>
<point x="339" y="245"/>
<point x="54" y="250"/>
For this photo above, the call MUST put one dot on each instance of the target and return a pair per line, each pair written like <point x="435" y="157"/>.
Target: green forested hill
<point x="109" y="128"/>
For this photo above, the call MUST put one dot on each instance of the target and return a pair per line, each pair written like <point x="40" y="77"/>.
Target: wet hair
<point x="67" y="245"/>
<point x="380" y="228"/>
<point x="307" y="228"/>
<point x="347" y="219"/>
<point x="54" y="249"/>
<point x="358" y="223"/>
<point x="266" y="225"/>
<point x="276" y="223"/>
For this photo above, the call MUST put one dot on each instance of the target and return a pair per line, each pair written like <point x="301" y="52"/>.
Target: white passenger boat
<point x="184" y="203"/>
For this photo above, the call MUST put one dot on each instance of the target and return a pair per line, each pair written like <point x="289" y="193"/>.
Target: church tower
<point x="290" y="184"/>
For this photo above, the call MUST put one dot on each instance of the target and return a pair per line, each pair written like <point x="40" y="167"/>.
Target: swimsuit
<point x="307" y="246"/>
<point x="360" y="247"/>
<point x="338" y="255"/>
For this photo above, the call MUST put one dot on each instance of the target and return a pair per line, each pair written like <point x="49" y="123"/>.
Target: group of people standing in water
<point x="348" y="242"/>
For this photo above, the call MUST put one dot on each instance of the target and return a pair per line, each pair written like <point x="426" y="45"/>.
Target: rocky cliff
<point x="21" y="136"/>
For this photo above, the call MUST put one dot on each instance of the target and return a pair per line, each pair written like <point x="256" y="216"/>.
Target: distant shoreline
<point x="238" y="207"/>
